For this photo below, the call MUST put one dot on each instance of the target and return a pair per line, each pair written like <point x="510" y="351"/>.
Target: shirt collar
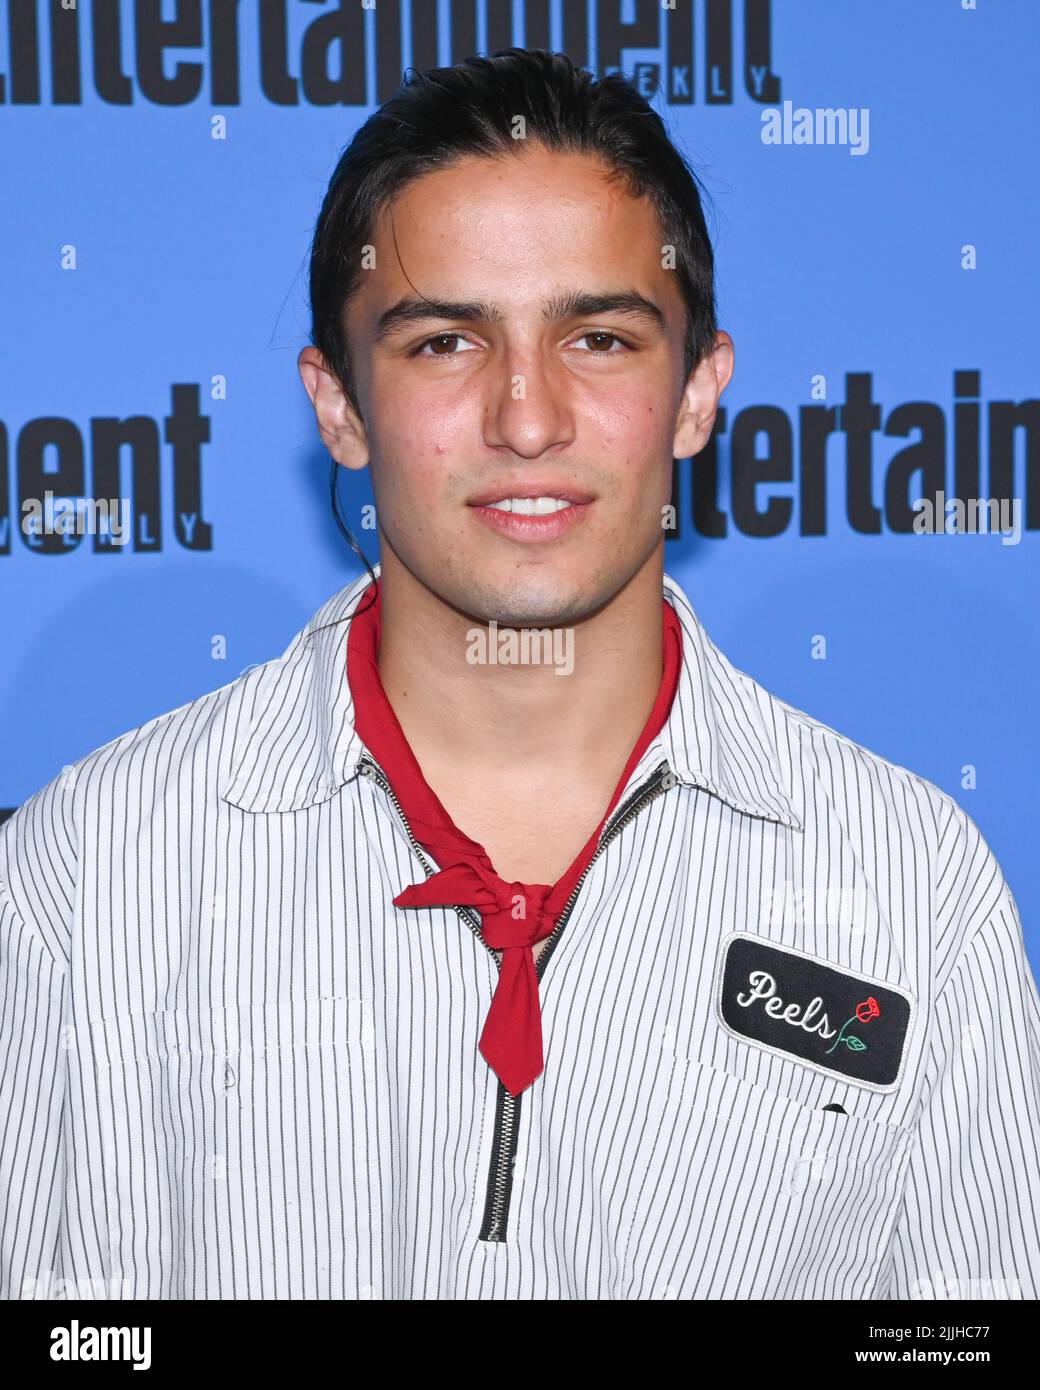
<point x="296" y="744"/>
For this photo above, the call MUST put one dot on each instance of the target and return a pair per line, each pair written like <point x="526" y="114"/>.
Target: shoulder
<point x="860" y="773"/>
<point x="905" y="821"/>
<point x="150" y="790"/>
<point x="91" y="808"/>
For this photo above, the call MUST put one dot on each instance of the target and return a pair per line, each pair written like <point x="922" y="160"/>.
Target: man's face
<point x="521" y="394"/>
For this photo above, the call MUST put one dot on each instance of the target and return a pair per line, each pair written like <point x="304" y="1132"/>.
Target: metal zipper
<point x="375" y="774"/>
<point x="507" y="1110"/>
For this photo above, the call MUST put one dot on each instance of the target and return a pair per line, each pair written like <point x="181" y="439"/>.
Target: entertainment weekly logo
<point x="918" y="468"/>
<point x="315" y="52"/>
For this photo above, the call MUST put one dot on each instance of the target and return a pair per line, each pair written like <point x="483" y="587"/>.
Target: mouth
<point x="530" y="506"/>
<point x="538" y="513"/>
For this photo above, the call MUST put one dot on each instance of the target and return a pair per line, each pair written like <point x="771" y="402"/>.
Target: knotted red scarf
<point x="514" y="916"/>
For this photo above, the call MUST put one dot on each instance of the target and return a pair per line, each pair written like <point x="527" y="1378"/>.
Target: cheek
<point x="416" y="477"/>
<point x="631" y="423"/>
<point x="418" y="439"/>
<point x="638" y="441"/>
<point x="411" y="450"/>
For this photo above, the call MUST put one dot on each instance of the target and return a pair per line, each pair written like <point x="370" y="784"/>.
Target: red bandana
<point x="514" y="916"/>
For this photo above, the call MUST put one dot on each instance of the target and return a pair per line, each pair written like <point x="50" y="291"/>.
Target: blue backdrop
<point x="163" y="164"/>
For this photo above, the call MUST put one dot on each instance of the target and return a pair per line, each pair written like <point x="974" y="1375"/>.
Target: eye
<point x="601" y="333"/>
<point x="441" y="338"/>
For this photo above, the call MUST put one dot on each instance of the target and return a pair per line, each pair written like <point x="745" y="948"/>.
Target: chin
<point x="530" y="600"/>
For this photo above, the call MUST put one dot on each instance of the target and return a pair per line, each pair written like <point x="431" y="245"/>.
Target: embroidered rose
<point x="865" y="1011"/>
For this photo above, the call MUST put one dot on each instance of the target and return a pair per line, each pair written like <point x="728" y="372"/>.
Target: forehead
<point x="508" y="228"/>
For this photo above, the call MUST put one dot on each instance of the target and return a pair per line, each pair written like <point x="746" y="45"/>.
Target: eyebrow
<point x="576" y="304"/>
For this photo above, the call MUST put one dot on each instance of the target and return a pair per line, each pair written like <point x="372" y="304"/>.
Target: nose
<point x="528" y="408"/>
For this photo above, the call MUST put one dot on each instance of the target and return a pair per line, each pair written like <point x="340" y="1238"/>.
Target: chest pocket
<point x="228" y="1142"/>
<point x="748" y="1194"/>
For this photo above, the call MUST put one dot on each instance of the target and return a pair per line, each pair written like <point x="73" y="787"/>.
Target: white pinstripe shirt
<point x="230" y="1068"/>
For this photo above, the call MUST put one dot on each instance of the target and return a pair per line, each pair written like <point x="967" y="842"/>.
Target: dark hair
<point x="445" y="114"/>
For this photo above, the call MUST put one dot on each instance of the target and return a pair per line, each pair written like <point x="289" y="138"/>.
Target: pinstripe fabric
<point x="230" y="1068"/>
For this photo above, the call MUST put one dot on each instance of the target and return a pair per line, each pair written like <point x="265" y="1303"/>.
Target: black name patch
<point x="798" y="1005"/>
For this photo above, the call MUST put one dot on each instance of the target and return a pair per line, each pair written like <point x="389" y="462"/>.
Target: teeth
<point x="530" y="506"/>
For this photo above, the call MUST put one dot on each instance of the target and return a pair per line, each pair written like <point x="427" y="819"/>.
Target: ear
<point x="700" y="398"/>
<point x="341" y="428"/>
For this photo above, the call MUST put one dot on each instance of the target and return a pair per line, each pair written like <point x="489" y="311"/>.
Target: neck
<point x="510" y="717"/>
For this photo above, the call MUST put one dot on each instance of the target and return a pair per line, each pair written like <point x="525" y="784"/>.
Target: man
<point x="424" y="963"/>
